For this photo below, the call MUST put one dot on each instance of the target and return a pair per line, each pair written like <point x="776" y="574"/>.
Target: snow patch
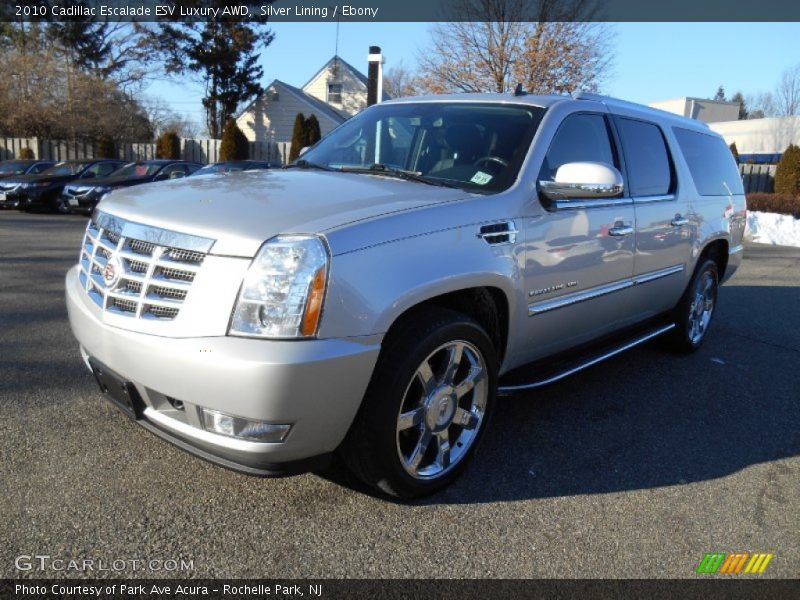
<point x="772" y="228"/>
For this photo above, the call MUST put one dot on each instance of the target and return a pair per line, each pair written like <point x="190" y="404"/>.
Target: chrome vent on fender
<point x="499" y="233"/>
<point x="136" y="270"/>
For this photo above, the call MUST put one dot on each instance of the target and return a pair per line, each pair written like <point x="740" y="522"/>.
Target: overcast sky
<point x="652" y="61"/>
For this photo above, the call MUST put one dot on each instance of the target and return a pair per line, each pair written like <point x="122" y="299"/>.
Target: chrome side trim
<point x="650" y="199"/>
<point x="653" y="275"/>
<point x="569" y="299"/>
<point x="537" y="308"/>
<point x="510" y="389"/>
<point x="583" y="204"/>
<point x="736" y="249"/>
<point x="155" y="235"/>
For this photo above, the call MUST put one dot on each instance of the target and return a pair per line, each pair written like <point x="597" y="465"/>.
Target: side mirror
<point x="161" y="177"/>
<point x="176" y="175"/>
<point x="583" y="180"/>
<point x="88" y="175"/>
<point x="303" y="150"/>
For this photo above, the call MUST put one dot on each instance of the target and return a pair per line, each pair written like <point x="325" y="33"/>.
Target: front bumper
<point x="11" y="199"/>
<point x="315" y="385"/>
<point x="83" y="204"/>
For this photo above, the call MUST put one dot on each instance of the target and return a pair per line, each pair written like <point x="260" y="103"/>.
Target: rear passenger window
<point x="580" y="138"/>
<point x="647" y="158"/>
<point x="710" y="162"/>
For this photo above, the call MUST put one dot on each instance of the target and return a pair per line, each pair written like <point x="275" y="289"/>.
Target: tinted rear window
<point x="647" y="158"/>
<point x="711" y="163"/>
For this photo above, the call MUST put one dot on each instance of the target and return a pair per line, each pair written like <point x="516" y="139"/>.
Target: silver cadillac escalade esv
<point x="426" y="257"/>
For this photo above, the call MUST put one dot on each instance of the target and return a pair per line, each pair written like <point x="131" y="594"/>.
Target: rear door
<point x="663" y="207"/>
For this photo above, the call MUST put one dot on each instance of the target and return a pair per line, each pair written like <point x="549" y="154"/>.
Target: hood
<point x="242" y="210"/>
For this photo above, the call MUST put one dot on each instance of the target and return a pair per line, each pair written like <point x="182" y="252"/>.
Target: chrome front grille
<point x="138" y="271"/>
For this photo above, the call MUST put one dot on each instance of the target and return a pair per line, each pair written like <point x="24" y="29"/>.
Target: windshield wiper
<point x="304" y="164"/>
<point x="399" y="173"/>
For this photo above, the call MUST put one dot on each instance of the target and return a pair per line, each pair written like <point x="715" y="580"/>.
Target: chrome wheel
<point x="701" y="307"/>
<point x="442" y="410"/>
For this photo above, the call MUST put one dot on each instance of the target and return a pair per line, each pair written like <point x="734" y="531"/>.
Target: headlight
<point x="103" y="189"/>
<point x="283" y="291"/>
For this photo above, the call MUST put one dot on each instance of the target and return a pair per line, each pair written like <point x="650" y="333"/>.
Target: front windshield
<point x="65" y="168"/>
<point x="137" y="170"/>
<point x="475" y="146"/>
<point x="13" y="168"/>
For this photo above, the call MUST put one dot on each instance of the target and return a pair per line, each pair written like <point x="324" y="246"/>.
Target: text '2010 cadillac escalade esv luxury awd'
<point x="426" y="257"/>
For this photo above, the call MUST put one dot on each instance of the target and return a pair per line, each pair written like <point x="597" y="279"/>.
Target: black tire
<point x="684" y="339"/>
<point x="373" y="446"/>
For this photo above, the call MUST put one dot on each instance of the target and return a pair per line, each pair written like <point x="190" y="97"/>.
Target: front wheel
<point x="695" y="310"/>
<point x="427" y="405"/>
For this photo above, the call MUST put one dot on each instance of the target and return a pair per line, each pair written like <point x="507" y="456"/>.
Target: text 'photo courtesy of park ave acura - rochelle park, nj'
<point x="455" y="298"/>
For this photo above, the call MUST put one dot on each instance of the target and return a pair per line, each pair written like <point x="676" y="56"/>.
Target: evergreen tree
<point x="787" y="174"/>
<point x="234" y="144"/>
<point x="224" y="53"/>
<point x="313" y="134"/>
<point x="298" y="137"/>
<point x="720" y="95"/>
<point x="743" y="112"/>
<point x="168" y="145"/>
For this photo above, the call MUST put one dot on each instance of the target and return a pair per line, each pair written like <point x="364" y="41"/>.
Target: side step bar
<point x="506" y="390"/>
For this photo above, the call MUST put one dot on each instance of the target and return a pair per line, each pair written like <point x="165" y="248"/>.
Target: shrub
<point x="787" y="175"/>
<point x="313" y="134"/>
<point x="234" y="144"/>
<point x="735" y="152"/>
<point x="105" y="148"/>
<point x="784" y="204"/>
<point x="168" y="145"/>
<point x="26" y="154"/>
<point x="298" y="137"/>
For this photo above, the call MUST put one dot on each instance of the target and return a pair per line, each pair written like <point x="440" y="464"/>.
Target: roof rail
<point x="610" y="101"/>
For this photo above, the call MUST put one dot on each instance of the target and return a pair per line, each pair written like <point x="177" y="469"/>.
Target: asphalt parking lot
<point x="634" y="468"/>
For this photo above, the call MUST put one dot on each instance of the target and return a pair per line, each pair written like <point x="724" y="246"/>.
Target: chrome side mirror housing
<point x="583" y="180"/>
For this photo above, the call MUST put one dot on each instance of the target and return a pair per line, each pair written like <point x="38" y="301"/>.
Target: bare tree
<point x="398" y="81"/>
<point x="498" y="46"/>
<point x="35" y="102"/>
<point x="787" y="95"/>
<point x="162" y="118"/>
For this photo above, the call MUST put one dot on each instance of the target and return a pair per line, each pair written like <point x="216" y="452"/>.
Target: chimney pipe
<point x="374" y="76"/>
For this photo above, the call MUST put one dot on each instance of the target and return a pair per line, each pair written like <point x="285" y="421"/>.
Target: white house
<point x="334" y="93"/>
<point x="702" y="109"/>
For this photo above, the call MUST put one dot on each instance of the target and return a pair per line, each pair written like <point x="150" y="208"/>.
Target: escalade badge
<point x="112" y="272"/>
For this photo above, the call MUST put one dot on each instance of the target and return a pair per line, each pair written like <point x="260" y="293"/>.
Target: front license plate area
<point x="119" y="392"/>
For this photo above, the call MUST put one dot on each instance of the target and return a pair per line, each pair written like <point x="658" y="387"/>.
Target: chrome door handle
<point x="620" y="230"/>
<point x="679" y="221"/>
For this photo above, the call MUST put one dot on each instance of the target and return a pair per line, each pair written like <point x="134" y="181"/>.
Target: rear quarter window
<point x="711" y="163"/>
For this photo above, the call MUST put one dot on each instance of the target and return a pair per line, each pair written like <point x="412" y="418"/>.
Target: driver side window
<point x="581" y="137"/>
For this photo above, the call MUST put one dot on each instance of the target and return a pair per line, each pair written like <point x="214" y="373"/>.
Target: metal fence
<point x="200" y="150"/>
<point x="758" y="178"/>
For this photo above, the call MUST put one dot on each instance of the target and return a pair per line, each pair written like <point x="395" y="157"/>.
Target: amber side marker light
<point x="314" y="306"/>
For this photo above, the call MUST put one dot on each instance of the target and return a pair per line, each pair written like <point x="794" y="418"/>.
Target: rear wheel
<point x="694" y="312"/>
<point x="427" y="406"/>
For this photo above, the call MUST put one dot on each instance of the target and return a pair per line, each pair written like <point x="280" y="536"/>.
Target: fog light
<point x="244" y="429"/>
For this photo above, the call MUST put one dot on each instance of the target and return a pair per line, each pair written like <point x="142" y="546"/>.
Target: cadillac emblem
<point x="112" y="272"/>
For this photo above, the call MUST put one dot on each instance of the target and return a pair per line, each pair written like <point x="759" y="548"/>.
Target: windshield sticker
<point x="481" y="178"/>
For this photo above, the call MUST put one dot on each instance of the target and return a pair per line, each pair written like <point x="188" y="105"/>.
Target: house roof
<point x="336" y="58"/>
<point x="315" y="104"/>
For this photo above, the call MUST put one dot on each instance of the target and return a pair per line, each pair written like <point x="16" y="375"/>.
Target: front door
<point x="579" y="255"/>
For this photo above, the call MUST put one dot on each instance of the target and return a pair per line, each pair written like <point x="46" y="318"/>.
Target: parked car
<point x="42" y="191"/>
<point x="12" y="168"/>
<point x="229" y="166"/>
<point x="9" y="168"/>
<point x="83" y="196"/>
<point x="376" y="299"/>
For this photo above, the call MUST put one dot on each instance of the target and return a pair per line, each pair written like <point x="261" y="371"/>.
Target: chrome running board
<point x="505" y="390"/>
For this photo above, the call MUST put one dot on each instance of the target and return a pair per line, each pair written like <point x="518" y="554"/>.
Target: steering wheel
<point x="491" y="159"/>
